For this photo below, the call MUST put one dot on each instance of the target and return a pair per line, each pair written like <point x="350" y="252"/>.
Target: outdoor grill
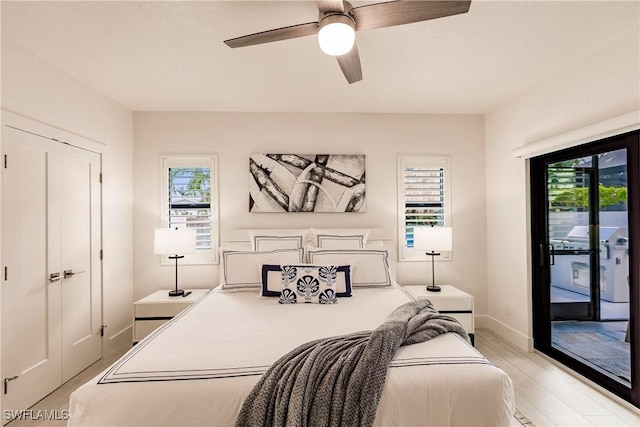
<point x="571" y="271"/>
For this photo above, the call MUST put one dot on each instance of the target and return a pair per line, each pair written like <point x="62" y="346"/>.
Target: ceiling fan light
<point x="336" y="35"/>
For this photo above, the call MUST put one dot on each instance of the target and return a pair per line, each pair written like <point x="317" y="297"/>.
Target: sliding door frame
<point x="541" y="272"/>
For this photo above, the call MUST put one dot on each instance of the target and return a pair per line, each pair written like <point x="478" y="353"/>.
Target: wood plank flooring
<point x="545" y="393"/>
<point x="58" y="401"/>
<point x="549" y="395"/>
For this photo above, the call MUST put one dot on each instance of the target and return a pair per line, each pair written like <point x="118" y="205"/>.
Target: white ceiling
<point x="169" y="55"/>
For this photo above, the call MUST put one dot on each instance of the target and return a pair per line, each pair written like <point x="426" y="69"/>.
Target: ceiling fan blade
<point x="350" y="65"/>
<point x="380" y="15"/>
<point x="330" y="6"/>
<point x="275" y="35"/>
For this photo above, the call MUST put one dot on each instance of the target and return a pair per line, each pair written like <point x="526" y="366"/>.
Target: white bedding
<point x="198" y="368"/>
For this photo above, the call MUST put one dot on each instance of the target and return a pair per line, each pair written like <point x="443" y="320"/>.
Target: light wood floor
<point x="545" y="393"/>
<point x="59" y="399"/>
<point x="550" y="396"/>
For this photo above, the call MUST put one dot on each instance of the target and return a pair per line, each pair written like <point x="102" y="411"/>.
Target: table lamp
<point x="176" y="243"/>
<point x="433" y="239"/>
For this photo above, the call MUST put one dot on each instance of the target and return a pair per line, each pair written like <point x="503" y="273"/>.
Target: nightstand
<point x="156" y="309"/>
<point x="450" y="301"/>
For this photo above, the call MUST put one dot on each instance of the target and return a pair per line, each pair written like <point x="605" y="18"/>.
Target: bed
<point x="197" y="369"/>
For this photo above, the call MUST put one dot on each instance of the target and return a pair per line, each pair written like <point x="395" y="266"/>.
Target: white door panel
<point x="51" y="223"/>
<point x="81" y="290"/>
<point x="30" y="303"/>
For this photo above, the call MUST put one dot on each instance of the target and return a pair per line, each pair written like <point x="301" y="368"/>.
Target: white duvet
<point x="198" y="368"/>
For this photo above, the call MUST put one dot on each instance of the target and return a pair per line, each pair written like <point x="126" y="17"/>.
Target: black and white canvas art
<point x="307" y="183"/>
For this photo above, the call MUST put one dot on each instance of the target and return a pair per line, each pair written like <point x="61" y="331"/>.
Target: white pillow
<point x="374" y="244"/>
<point x="370" y="267"/>
<point x="328" y="241"/>
<point x="270" y="240"/>
<point x="241" y="270"/>
<point x="339" y="239"/>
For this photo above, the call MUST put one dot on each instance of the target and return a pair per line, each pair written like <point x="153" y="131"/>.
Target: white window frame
<point x="421" y="161"/>
<point x="167" y="161"/>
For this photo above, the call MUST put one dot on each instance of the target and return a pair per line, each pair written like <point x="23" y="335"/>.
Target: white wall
<point x="35" y="89"/>
<point x="381" y="137"/>
<point x="490" y="262"/>
<point x="602" y="86"/>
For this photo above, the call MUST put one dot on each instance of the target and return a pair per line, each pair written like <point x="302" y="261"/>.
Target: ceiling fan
<point x="338" y="21"/>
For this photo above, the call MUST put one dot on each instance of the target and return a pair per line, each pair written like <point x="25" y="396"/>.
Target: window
<point x="568" y="190"/>
<point x="190" y="200"/>
<point x="424" y="198"/>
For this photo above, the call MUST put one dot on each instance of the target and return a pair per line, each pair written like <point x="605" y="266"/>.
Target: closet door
<point x="80" y="264"/>
<point x="51" y="293"/>
<point x="31" y="353"/>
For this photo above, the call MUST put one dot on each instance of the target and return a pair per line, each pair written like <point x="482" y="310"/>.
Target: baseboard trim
<point x="119" y="342"/>
<point x="480" y="322"/>
<point x="506" y="332"/>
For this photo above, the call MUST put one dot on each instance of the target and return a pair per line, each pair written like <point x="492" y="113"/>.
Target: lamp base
<point x="176" y="293"/>
<point x="433" y="288"/>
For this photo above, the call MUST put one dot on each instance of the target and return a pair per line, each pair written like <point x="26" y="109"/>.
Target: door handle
<point x="54" y="277"/>
<point x="71" y="273"/>
<point x="543" y="254"/>
<point x="6" y="382"/>
<point x="585" y="251"/>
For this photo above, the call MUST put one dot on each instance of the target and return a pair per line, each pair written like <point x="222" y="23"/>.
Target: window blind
<point x="424" y="198"/>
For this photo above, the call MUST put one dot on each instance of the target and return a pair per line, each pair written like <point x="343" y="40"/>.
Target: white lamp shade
<point x="169" y="241"/>
<point x="336" y="35"/>
<point x="433" y="238"/>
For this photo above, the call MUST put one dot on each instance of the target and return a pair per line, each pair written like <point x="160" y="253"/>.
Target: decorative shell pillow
<point x="272" y="278"/>
<point x="309" y="284"/>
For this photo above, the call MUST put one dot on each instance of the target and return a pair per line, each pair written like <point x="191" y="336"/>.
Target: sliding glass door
<point x="585" y="217"/>
<point x="571" y="239"/>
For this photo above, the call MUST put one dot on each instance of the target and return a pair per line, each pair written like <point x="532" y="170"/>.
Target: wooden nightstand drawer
<point x="158" y="308"/>
<point x="465" y="319"/>
<point x="145" y="327"/>
<point x="451" y="303"/>
<point x="161" y="309"/>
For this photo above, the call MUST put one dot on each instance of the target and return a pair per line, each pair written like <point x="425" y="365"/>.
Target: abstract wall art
<point x="307" y="183"/>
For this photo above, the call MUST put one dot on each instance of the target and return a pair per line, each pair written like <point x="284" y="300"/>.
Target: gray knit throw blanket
<point x="338" y="381"/>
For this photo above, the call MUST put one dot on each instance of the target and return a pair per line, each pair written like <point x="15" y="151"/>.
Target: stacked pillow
<point x="370" y="266"/>
<point x="269" y="240"/>
<point x="337" y="261"/>
<point x="238" y="269"/>
<point x="342" y="239"/>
